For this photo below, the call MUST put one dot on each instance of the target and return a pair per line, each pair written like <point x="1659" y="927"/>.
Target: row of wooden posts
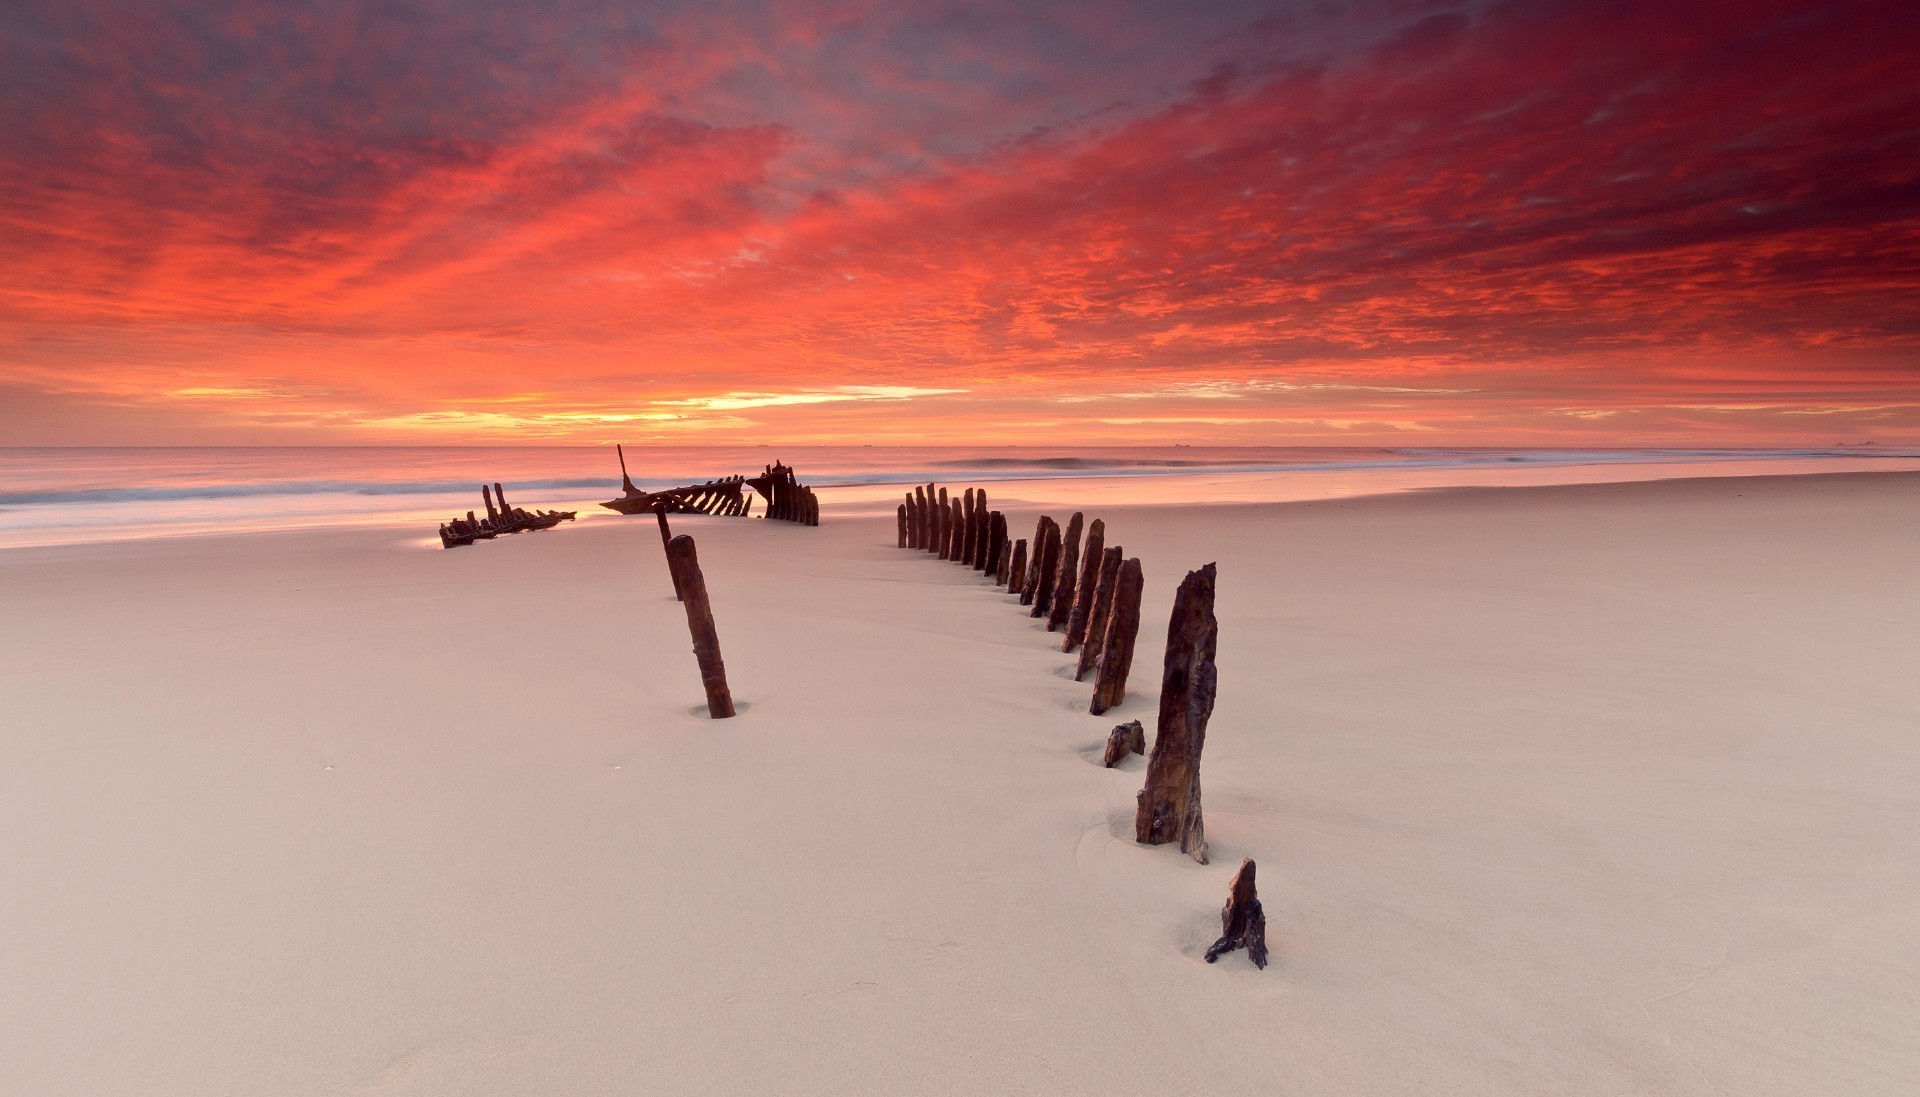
<point x="1093" y="596"/>
<point x="1093" y="600"/>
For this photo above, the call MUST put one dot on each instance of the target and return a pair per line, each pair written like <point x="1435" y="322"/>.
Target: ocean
<point x="54" y="496"/>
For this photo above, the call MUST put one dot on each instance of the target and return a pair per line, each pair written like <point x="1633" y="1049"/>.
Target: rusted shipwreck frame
<point x="500" y="519"/>
<point x="787" y="499"/>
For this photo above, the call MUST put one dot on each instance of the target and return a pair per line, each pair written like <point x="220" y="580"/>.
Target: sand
<point x="1576" y="790"/>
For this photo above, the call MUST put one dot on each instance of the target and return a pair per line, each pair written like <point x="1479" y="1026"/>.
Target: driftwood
<point x="1085" y="586"/>
<point x="666" y="545"/>
<point x="1050" y="565"/>
<point x="1063" y="585"/>
<point x="1097" y="613"/>
<point x="706" y="641"/>
<point x="1242" y="923"/>
<point x="1116" y="650"/>
<point x="1125" y="739"/>
<point x="1169" y="807"/>
<point x="1017" y="566"/>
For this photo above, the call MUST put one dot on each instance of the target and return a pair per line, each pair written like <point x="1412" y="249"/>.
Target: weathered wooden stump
<point x="1097" y="613"/>
<point x="966" y="527"/>
<point x="1017" y="566"/>
<point x="1076" y="579"/>
<point x="942" y="525"/>
<point x="903" y="523"/>
<point x="1116" y="651"/>
<point x="982" y="531"/>
<point x="1060" y="599"/>
<point x="706" y="640"/>
<point x="1169" y="808"/>
<point x="1045" y="569"/>
<point x="666" y="545"/>
<point x="1242" y="923"/>
<point x="994" y="550"/>
<point x="956" y="530"/>
<point x="1125" y="739"/>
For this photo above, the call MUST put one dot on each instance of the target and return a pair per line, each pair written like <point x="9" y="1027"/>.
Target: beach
<point x="1579" y="789"/>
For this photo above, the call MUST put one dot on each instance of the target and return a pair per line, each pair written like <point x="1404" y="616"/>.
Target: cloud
<point x="404" y="214"/>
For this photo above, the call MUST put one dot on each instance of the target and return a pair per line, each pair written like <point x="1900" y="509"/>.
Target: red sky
<point x="1394" y="223"/>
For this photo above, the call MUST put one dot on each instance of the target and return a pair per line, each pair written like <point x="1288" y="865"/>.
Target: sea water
<point x="51" y="496"/>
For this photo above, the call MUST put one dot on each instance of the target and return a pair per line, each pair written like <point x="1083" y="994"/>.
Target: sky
<point x="1397" y="223"/>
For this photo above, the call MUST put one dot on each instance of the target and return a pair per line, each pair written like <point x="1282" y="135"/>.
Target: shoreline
<point x="1580" y="789"/>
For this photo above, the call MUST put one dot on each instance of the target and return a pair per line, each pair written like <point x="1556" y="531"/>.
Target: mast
<point x="626" y="482"/>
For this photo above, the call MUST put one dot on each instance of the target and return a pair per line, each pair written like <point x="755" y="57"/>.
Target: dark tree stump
<point x="1073" y="608"/>
<point x="1125" y="739"/>
<point x="666" y="544"/>
<point x="706" y="641"/>
<point x="1060" y="601"/>
<point x="1242" y="923"/>
<point x="1116" y="651"/>
<point x="1016" y="566"/>
<point x="1102" y="605"/>
<point x="1169" y="809"/>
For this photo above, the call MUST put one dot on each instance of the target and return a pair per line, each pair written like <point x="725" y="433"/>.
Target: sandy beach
<point x="1569" y="790"/>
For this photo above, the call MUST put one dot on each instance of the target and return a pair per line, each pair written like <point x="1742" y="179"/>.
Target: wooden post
<point x="1034" y="544"/>
<point x="956" y="530"/>
<point x="926" y="512"/>
<point x="996" y="540"/>
<point x="1125" y="739"/>
<point x="1062" y="602"/>
<point x="1036" y="559"/>
<point x="966" y="529"/>
<point x="706" y="641"/>
<point x="1242" y="923"/>
<point x="943" y="525"/>
<point x="1169" y="807"/>
<point x="1017" y="566"/>
<point x="666" y="544"/>
<point x="982" y="531"/>
<point x="1050" y="565"/>
<point x="1096" y="624"/>
<point x="1083" y="588"/>
<point x="901" y="522"/>
<point x="1006" y="558"/>
<point x="486" y="496"/>
<point x="1116" y="651"/>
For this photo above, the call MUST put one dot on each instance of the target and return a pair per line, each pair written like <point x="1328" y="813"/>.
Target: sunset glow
<point x="1400" y="223"/>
